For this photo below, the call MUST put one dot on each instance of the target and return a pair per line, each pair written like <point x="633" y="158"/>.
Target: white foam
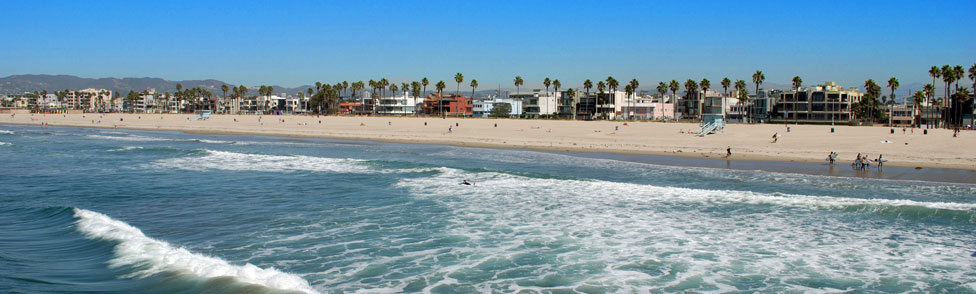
<point x="644" y="193"/>
<point x="223" y="160"/>
<point x="137" y="250"/>
<point x="126" y="148"/>
<point x="6" y="132"/>
<point x="716" y="236"/>
<point x="4" y="143"/>
<point x="127" y="138"/>
<point x="215" y="141"/>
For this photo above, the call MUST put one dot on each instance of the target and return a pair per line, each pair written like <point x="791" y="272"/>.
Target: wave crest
<point x="152" y="256"/>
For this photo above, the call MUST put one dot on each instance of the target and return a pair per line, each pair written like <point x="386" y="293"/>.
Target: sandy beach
<point x="803" y="143"/>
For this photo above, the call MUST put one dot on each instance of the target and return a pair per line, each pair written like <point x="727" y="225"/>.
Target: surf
<point x="150" y="257"/>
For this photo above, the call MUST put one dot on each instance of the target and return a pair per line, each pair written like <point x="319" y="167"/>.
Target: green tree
<point x="757" y="78"/>
<point x="917" y="100"/>
<point x="797" y="83"/>
<point x="440" y="87"/>
<point x="458" y="78"/>
<point x="425" y="82"/>
<point x="501" y="110"/>
<point x="634" y="84"/>
<point x="691" y="87"/>
<point x="547" y="83"/>
<point x="474" y="85"/>
<point x="415" y="88"/>
<point x="518" y="83"/>
<point x="587" y="85"/>
<point x="674" y="86"/>
<point x="705" y="85"/>
<point x="725" y="85"/>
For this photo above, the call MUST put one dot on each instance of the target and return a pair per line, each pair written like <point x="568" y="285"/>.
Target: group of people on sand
<point x="862" y="162"/>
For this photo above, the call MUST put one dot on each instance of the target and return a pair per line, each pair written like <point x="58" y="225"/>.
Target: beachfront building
<point x="586" y="106"/>
<point x="403" y="104"/>
<point x="485" y="107"/>
<point x="902" y="114"/>
<point x="537" y="103"/>
<point x="350" y="108"/>
<point x="48" y="102"/>
<point x="448" y="105"/>
<point x="566" y="104"/>
<point x="822" y="103"/>
<point x="86" y="99"/>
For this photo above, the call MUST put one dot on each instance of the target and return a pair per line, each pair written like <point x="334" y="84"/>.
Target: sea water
<point x="116" y="211"/>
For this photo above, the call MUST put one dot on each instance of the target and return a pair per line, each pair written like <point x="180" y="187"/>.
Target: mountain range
<point x="17" y="84"/>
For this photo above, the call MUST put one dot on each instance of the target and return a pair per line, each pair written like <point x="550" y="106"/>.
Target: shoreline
<point x="839" y="170"/>
<point x="748" y="142"/>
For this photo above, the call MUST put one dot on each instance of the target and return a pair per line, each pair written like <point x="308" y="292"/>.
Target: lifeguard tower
<point x="711" y="123"/>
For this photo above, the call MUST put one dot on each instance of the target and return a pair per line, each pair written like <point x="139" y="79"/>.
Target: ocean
<point x="124" y="211"/>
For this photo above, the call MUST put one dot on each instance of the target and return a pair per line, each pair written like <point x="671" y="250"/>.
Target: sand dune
<point x="748" y="142"/>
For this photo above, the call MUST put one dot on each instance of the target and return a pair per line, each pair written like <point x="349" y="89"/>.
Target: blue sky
<point x="291" y="43"/>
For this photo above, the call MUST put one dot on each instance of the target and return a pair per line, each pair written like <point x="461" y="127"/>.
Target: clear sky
<point x="291" y="43"/>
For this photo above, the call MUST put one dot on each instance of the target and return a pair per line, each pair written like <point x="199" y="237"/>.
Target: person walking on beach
<point x="880" y="161"/>
<point x="728" y="151"/>
<point x="857" y="161"/>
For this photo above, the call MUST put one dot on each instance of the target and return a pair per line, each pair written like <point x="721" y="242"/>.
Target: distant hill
<point x="17" y="84"/>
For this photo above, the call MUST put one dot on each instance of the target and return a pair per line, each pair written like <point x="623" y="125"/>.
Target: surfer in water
<point x="465" y="182"/>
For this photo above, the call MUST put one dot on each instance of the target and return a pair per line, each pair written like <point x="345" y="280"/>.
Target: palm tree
<point x="600" y="86"/>
<point x="474" y="85"/>
<point x="690" y="87"/>
<point x="555" y="86"/>
<point x="458" y="78"/>
<point x="972" y="75"/>
<point x="345" y="85"/>
<point x="415" y="88"/>
<point x="587" y="84"/>
<point x="547" y="82"/>
<point x="758" y="78"/>
<point x="262" y="91"/>
<point x="743" y="99"/>
<point x="962" y="96"/>
<point x="929" y="91"/>
<point x="634" y="85"/>
<point x="797" y="84"/>
<point x="405" y="87"/>
<point x="518" y="83"/>
<point x="917" y="99"/>
<point x="674" y="86"/>
<point x="224" y="88"/>
<point x="947" y="78"/>
<point x="725" y="85"/>
<point x="893" y="84"/>
<point x="612" y="84"/>
<point x="662" y="89"/>
<point x="935" y="73"/>
<point x="425" y="82"/>
<point x="629" y="90"/>
<point x="440" y="88"/>
<point x="705" y="85"/>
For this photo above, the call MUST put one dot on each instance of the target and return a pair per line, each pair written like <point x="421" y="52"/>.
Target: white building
<point x="402" y="104"/>
<point x="646" y="107"/>
<point x="538" y="102"/>
<point x="484" y="107"/>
